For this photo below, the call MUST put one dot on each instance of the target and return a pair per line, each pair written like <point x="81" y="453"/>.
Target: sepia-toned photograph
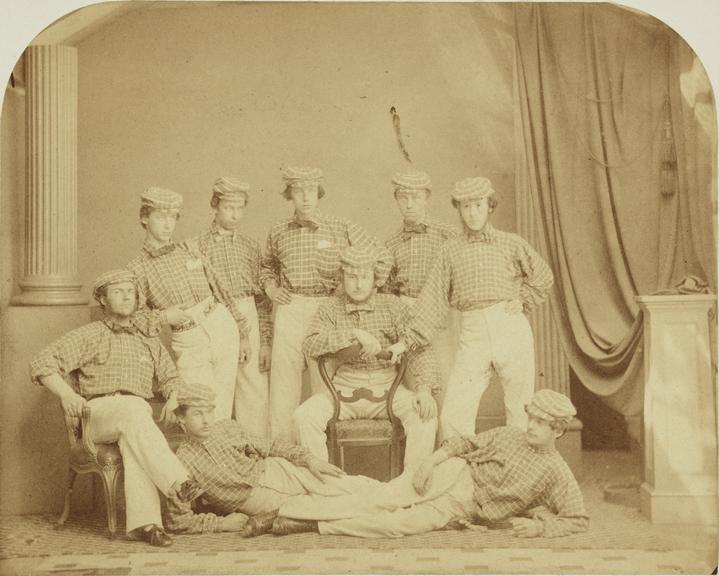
<point x="357" y="287"/>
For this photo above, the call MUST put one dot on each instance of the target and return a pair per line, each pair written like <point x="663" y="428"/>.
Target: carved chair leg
<point x="68" y="499"/>
<point x="109" y="477"/>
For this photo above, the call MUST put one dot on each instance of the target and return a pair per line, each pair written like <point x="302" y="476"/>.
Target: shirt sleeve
<point x="64" y="354"/>
<point x="422" y="362"/>
<point x="537" y="276"/>
<point x="262" y="446"/>
<point x="147" y="319"/>
<point x="465" y="445"/>
<point x="168" y="379"/>
<point x="271" y="265"/>
<point x="182" y="518"/>
<point x="566" y="504"/>
<point x="262" y="302"/>
<point x="429" y="314"/>
<point x="323" y="335"/>
<point x="223" y="294"/>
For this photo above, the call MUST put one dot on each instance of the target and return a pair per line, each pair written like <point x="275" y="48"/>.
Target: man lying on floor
<point x="243" y="475"/>
<point x="502" y="474"/>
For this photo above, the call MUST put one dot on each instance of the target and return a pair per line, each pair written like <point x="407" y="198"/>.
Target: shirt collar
<point x="155" y="252"/>
<point x="487" y="234"/>
<point x="367" y="305"/>
<point x="313" y="221"/>
<point x="117" y="328"/>
<point x="218" y="232"/>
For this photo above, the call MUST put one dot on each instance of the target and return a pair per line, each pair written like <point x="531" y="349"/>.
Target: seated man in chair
<point x="375" y="321"/>
<point x="244" y="475"/>
<point x="503" y="474"/>
<point x="117" y="364"/>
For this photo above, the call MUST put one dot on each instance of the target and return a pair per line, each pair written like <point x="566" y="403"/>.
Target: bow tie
<point x="310" y="224"/>
<point x="366" y="306"/>
<point x="118" y="328"/>
<point x="222" y="233"/>
<point x="410" y="229"/>
<point x="480" y="237"/>
<point x="161" y="251"/>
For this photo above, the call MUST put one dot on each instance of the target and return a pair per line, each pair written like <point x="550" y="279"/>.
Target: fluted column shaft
<point x="50" y="266"/>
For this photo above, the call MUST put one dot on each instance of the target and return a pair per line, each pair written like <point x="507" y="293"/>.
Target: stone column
<point x="680" y="461"/>
<point x="50" y="266"/>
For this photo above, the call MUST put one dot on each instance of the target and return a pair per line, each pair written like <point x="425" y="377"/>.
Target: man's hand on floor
<point x="234" y="522"/>
<point x="526" y="527"/>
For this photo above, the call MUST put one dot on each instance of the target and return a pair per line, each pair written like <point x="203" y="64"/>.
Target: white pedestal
<point x="680" y="444"/>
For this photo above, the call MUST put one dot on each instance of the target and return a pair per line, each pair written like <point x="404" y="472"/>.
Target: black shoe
<point x="260" y="524"/>
<point x="283" y="526"/>
<point x="154" y="535"/>
<point x="189" y="491"/>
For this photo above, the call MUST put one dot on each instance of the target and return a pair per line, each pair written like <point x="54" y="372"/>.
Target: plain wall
<point x="179" y="95"/>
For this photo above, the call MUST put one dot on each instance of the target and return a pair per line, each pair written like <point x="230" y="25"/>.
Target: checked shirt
<point x="237" y="260"/>
<point x="382" y="315"/>
<point x="304" y="256"/>
<point x="108" y="358"/>
<point x="511" y="477"/>
<point x="474" y="270"/>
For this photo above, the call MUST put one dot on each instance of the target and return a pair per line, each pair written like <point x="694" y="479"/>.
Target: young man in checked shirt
<point x="300" y="270"/>
<point x="117" y="362"/>
<point x="493" y="278"/>
<point x="414" y="248"/>
<point x="504" y="474"/>
<point x="360" y="315"/>
<point x="237" y="259"/>
<point x="245" y="478"/>
<point x="180" y="288"/>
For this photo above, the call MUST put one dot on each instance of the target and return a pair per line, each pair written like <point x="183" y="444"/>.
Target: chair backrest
<point x="345" y="355"/>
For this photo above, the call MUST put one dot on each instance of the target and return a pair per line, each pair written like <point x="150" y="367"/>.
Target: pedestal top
<point x="677" y="300"/>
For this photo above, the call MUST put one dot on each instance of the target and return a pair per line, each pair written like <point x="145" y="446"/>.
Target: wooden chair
<point x="358" y="432"/>
<point x="87" y="457"/>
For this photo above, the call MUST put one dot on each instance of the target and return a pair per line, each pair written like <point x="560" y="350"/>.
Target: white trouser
<point x="281" y="479"/>
<point x="252" y="389"/>
<point x="311" y="416"/>
<point x="207" y="354"/>
<point x="292" y="322"/>
<point x="490" y="337"/>
<point x="444" y="345"/>
<point x="148" y="462"/>
<point x="391" y="509"/>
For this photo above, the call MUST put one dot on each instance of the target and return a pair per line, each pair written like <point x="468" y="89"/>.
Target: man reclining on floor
<point x="502" y="474"/>
<point x="243" y="475"/>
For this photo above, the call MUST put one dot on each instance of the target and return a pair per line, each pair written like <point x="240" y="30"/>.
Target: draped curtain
<point x="617" y="127"/>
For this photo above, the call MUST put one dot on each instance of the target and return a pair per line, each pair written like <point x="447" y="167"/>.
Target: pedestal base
<point x="49" y="293"/>
<point x="675" y="508"/>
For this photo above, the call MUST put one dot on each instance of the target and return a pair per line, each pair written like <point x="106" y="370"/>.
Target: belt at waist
<point x="115" y="393"/>
<point x="480" y="305"/>
<point x="199" y="312"/>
